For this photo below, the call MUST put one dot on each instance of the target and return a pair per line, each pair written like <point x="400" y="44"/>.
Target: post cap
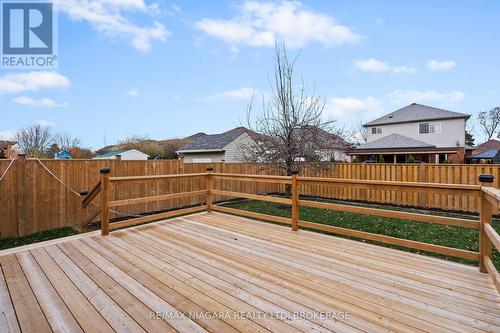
<point x="295" y="171"/>
<point x="210" y="168"/>
<point x="105" y="170"/>
<point x="84" y="193"/>
<point x="486" y="178"/>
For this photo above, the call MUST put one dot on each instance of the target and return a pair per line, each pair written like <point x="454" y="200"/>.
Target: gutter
<point x="200" y="151"/>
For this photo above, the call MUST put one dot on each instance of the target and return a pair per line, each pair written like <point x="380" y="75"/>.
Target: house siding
<point x="231" y="154"/>
<point x="233" y="150"/>
<point x="130" y="155"/>
<point x="195" y="157"/>
<point x="452" y="131"/>
<point x="133" y="156"/>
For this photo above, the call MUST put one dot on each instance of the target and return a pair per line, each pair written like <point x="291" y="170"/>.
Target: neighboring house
<point x="487" y="152"/>
<point x="328" y="146"/>
<point x="488" y="156"/>
<point x="429" y="134"/>
<point x="63" y="155"/>
<point x="7" y="149"/>
<point x="490" y="144"/>
<point x="223" y="147"/>
<point x="229" y="147"/>
<point x="126" y="155"/>
<point x="171" y="146"/>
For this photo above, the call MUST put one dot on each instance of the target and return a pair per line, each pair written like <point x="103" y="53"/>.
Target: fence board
<point x="49" y="204"/>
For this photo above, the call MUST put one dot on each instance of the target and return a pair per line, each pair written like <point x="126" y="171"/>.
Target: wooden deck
<point x="221" y="273"/>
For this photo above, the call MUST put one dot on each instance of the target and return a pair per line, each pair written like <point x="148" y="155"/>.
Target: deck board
<point x="156" y="277"/>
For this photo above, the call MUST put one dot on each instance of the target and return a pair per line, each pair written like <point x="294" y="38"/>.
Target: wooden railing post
<point x="83" y="194"/>
<point x="105" y="201"/>
<point x="485" y="213"/>
<point x="22" y="192"/>
<point x="210" y="184"/>
<point x="295" y="200"/>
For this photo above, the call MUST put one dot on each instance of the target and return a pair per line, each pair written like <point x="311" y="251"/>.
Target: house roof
<point x="496" y="159"/>
<point x="490" y="144"/>
<point x="117" y="152"/>
<point x="323" y="138"/>
<point x="394" y="141"/>
<point x="5" y="143"/>
<point x="214" y="141"/>
<point x="485" y="154"/>
<point x="415" y="112"/>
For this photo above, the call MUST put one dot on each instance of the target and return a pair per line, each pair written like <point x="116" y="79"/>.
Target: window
<point x="202" y="160"/>
<point x="429" y="128"/>
<point x="376" y="130"/>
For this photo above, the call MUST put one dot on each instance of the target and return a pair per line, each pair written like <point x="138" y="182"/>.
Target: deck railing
<point x="489" y="198"/>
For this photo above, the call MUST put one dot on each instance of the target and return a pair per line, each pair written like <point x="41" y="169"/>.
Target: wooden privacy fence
<point x="33" y="198"/>
<point x="465" y="174"/>
<point x="488" y="197"/>
<point x="38" y="195"/>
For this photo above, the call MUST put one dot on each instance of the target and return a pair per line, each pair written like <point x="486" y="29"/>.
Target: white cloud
<point x="7" y="134"/>
<point x="259" y="24"/>
<point x="133" y="92"/>
<point x="32" y="81"/>
<point x="45" y="123"/>
<point x="409" y="96"/>
<point x="349" y="107"/>
<point x="175" y="8"/>
<point x="44" y="102"/>
<point x="404" y="70"/>
<point x="435" y="65"/>
<point x="372" y="65"/>
<point x="376" y="66"/>
<point x="238" y="94"/>
<point x="109" y="18"/>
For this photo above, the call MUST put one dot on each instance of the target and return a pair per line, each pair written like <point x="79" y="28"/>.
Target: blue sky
<point x="169" y="69"/>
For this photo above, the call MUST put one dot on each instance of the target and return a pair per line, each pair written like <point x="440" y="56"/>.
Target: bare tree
<point x="66" y="141"/>
<point x="359" y="133"/>
<point x="143" y="144"/>
<point x="171" y="147"/>
<point x="290" y="127"/>
<point x="34" y="140"/>
<point x="490" y="121"/>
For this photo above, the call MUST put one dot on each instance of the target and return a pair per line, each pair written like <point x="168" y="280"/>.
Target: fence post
<point x="105" y="201"/>
<point x="22" y="191"/>
<point x="295" y="200"/>
<point x="485" y="213"/>
<point x="209" y="189"/>
<point x="83" y="194"/>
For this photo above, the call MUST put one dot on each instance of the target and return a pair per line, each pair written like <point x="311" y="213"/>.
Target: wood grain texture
<point x="49" y="204"/>
<point x="218" y="263"/>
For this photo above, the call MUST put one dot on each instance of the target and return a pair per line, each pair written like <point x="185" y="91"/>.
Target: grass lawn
<point x="36" y="237"/>
<point x="456" y="237"/>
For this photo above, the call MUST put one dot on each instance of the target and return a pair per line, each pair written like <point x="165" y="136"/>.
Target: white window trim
<point x="376" y="132"/>
<point x="430" y="123"/>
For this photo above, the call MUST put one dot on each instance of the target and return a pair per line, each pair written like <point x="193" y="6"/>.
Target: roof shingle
<point x="214" y="141"/>
<point x="394" y="141"/>
<point x="416" y="112"/>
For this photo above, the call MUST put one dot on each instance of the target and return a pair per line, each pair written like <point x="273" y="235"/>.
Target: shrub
<point x="381" y="159"/>
<point x="411" y="159"/>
